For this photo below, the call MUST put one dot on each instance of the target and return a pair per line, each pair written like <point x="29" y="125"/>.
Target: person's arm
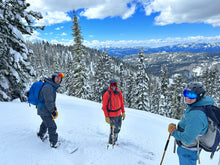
<point x="49" y="99"/>
<point x="105" y="103"/>
<point x="196" y="123"/>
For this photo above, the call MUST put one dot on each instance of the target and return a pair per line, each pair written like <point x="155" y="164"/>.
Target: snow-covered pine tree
<point x="155" y="96"/>
<point x="99" y="81"/>
<point x="15" y="68"/>
<point x="164" y="100"/>
<point x="68" y="80"/>
<point x="210" y="79"/>
<point x="106" y="67"/>
<point x="79" y="87"/>
<point x="142" y="85"/>
<point x="122" y="78"/>
<point x="129" y="95"/>
<point x="176" y="91"/>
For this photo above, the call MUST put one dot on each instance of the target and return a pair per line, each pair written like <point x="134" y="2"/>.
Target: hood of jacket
<point x="50" y="81"/>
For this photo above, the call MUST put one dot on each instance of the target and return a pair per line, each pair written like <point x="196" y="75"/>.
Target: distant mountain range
<point x="119" y="52"/>
<point x="186" y="59"/>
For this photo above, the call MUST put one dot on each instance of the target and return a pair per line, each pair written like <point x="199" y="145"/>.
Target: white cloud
<point x="170" y="11"/>
<point x="53" y="18"/>
<point x="54" y="11"/>
<point x="33" y="37"/>
<point x="59" y="28"/>
<point x="63" y="34"/>
<point x="110" y="9"/>
<point x="152" y="42"/>
<point x="184" y="11"/>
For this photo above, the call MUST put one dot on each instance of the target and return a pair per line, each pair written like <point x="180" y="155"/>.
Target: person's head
<point x="57" y="77"/>
<point x="113" y="84"/>
<point x="193" y="92"/>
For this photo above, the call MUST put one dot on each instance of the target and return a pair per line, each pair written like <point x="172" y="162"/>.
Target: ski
<point x="74" y="150"/>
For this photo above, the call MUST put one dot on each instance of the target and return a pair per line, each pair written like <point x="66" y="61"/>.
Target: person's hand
<point x="107" y="119"/>
<point x="171" y="128"/>
<point x="54" y="114"/>
<point x="123" y="116"/>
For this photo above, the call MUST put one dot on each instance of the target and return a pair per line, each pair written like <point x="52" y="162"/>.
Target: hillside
<point x="177" y="62"/>
<point x="182" y="58"/>
<point x="141" y="141"/>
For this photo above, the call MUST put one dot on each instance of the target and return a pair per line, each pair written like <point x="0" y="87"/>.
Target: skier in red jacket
<point x="113" y="107"/>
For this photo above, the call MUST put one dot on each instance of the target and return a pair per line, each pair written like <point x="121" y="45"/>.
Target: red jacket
<point x="116" y="102"/>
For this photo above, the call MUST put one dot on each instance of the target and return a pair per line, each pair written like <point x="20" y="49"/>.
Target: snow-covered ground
<point x="141" y="140"/>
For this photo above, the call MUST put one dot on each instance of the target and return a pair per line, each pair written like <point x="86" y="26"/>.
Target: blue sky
<point x="150" y="23"/>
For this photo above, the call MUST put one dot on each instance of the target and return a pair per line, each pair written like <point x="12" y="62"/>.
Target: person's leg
<point x="118" y="121"/>
<point x="52" y="127"/>
<point x="186" y="156"/>
<point x="42" y="130"/>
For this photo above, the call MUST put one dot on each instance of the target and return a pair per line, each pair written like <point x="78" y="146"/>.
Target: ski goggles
<point x="113" y="84"/>
<point x="60" y="75"/>
<point x="189" y="94"/>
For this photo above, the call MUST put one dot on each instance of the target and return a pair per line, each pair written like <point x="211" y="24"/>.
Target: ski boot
<point x="43" y="138"/>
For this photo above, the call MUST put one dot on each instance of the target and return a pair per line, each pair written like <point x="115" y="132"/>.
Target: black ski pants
<point x="116" y="121"/>
<point x="49" y="124"/>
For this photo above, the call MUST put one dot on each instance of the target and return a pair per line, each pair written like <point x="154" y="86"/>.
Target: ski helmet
<point x="197" y="88"/>
<point x="57" y="74"/>
<point x="113" y="81"/>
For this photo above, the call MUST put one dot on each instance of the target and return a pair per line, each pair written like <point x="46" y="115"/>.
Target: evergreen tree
<point x="15" y="68"/>
<point x="99" y="83"/>
<point x="79" y="88"/>
<point x="155" y="102"/>
<point x="142" y="85"/>
<point x="129" y="95"/>
<point x="176" y="91"/>
<point x="210" y="79"/>
<point x="107" y="67"/>
<point x="122" y="80"/>
<point x="164" y="98"/>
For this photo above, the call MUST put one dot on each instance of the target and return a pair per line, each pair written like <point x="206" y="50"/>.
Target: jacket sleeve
<point x="122" y="103"/>
<point x="105" y="103"/>
<point x="49" y="99"/>
<point x="196" y="124"/>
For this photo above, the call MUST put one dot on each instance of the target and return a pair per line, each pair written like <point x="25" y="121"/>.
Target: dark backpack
<point x="210" y="141"/>
<point x="105" y="89"/>
<point x="33" y="94"/>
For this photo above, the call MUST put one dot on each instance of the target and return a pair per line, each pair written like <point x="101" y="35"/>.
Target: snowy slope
<point x="141" y="140"/>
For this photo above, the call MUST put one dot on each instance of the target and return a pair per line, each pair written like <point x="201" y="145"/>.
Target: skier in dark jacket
<point x="193" y="124"/>
<point x="47" y="110"/>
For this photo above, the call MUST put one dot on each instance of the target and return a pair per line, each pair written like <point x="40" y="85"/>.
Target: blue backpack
<point x="210" y="141"/>
<point x="33" y="94"/>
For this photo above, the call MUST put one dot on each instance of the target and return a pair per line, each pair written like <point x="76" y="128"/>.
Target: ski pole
<point x="165" y="149"/>
<point x="113" y="136"/>
<point x="109" y="137"/>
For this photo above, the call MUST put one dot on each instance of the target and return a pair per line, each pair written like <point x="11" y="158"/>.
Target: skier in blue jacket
<point x="192" y="124"/>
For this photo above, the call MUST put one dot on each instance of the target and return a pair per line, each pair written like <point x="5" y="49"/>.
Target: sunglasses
<point x="61" y="75"/>
<point x="189" y="94"/>
<point x="113" y="84"/>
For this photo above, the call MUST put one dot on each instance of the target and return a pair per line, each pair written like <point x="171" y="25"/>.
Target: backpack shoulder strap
<point x="109" y="99"/>
<point x="208" y="110"/>
<point x="200" y="108"/>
